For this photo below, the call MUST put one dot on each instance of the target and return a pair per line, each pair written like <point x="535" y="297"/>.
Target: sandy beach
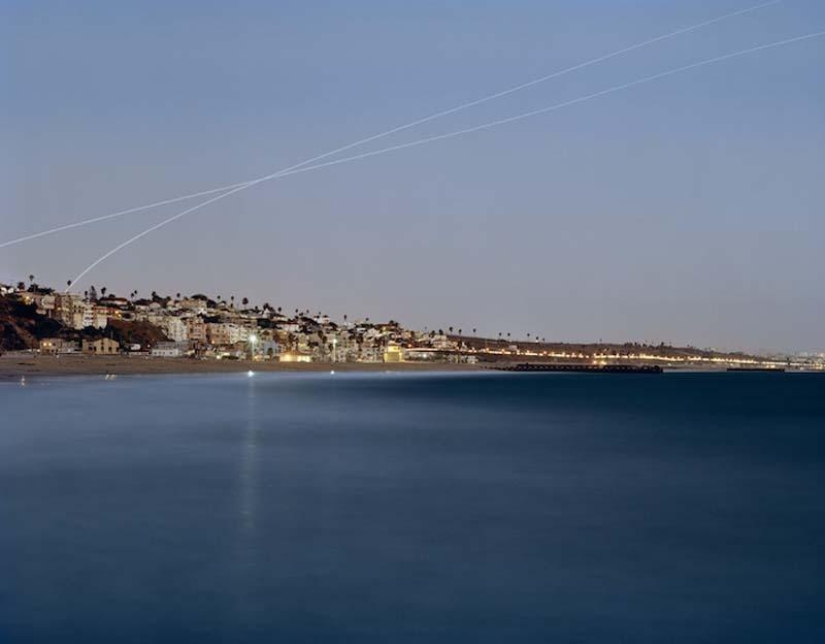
<point x="16" y="365"/>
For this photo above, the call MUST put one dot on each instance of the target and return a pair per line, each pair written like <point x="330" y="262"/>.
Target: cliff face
<point x="21" y="327"/>
<point x="127" y="333"/>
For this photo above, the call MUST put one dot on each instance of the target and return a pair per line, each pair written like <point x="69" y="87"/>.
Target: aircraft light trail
<point x="395" y="130"/>
<point x="440" y="137"/>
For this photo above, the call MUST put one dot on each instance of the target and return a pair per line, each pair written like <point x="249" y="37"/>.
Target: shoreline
<point x="15" y="366"/>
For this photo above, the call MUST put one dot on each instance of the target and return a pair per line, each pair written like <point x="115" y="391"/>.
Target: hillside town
<point x="200" y="326"/>
<point x="44" y="321"/>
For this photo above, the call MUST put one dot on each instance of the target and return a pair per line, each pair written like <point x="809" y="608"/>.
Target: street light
<point x="253" y="339"/>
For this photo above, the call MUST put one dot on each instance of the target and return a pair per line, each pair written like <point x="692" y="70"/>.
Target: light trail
<point x="448" y="135"/>
<point x="400" y="128"/>
<point x="119" y="213"/>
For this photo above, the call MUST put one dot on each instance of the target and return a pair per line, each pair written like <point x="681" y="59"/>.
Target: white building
<point x="175" y="329"/>
<point x="237" y="333"/>
<point x="170" y="350"/>
<point x="46" y="305"/>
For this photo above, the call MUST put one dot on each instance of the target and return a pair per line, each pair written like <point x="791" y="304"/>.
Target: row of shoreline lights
<point x="253" y="340"/>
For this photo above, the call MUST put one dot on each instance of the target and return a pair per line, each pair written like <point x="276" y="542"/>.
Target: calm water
<point x="426" y="508"/>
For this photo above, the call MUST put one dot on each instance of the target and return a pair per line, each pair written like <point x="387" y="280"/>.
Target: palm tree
<point x="245" y="301"/>
<point x="31" y="279"/>
<point x="474" y="330"/>
<point x="103" y="290"/>
<point x="68" y="283"/>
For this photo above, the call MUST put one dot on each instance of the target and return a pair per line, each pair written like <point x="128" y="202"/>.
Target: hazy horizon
<point x="682" y="211"/>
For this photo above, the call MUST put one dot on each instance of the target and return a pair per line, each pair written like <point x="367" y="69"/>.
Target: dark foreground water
<point x="387" y="508"/>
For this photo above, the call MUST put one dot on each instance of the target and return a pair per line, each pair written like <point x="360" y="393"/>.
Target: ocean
<point x="475" y="507"/>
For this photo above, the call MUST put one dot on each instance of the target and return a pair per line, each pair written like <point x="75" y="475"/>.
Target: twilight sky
<point x="688" y="210"/>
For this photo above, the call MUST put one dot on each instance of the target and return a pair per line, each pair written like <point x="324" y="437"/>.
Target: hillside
<point x="22" y="328"/>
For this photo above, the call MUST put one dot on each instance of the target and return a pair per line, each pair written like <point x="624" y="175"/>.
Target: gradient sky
<point x="689" y="210"/>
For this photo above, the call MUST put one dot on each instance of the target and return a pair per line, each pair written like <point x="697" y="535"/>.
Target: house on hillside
<point x="104" y="346"/>
<point x="57" y="346"/>
<point x="196" y="329"/>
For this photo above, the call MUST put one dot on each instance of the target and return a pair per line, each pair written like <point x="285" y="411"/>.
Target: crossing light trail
<point x="455" y="133"/>
<point x="400" y="128"/>
<point x="119" y="213"/>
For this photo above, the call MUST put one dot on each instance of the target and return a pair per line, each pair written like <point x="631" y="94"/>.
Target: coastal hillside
<point x="22" y="328"/>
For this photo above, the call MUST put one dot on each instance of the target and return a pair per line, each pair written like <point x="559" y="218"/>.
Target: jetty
<point x="581" y="368"/>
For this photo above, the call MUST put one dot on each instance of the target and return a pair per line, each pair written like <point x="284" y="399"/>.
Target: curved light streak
<point x="448" y="135"/>
<point x="401" y="128"/>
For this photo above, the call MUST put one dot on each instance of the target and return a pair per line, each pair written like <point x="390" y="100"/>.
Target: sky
<point x="687" y="210"/>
